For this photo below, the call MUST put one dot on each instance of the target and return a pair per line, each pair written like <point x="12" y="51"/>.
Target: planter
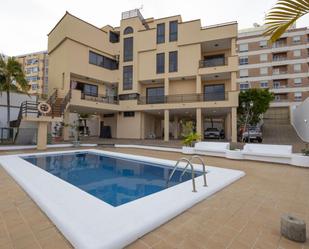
<point x="300" y="160"/>
<point x="76" y="143"/>
<point x="234" y="154"/>
<point x="188" y="150"/>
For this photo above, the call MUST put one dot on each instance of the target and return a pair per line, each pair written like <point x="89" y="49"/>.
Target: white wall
<point x="300" y="119"/>
<point x="16" y="100"/>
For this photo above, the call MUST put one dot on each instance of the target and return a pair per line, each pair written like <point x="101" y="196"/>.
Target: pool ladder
<point x="189" y="163"/>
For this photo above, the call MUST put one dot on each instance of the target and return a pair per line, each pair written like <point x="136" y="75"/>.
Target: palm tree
<point x="283" y="15"/>
<point x="12" y="79"/>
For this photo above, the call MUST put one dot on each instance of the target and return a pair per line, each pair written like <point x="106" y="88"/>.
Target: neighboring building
<point x="145" y="77"/>
<point x="35" y="66"/>
<point x="282" y="67"/>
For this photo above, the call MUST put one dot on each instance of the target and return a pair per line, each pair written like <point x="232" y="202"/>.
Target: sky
<point x="24" y="24"/>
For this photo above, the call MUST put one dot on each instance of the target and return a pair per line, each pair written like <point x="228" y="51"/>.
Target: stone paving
<point x="246" y="214"/>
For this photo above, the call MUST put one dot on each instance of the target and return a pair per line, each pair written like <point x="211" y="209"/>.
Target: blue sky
<point x="24" y="24"/>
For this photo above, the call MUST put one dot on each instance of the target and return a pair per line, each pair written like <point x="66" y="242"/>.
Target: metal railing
<point x="279" y="58"/>
<point x="101" y="98"/>
<point x="213" y="62"/>
<point x="7" y="135"/>
<point x="183" y="98"/>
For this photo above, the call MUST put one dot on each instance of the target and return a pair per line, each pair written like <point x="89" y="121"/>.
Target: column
<point x="198" y="84"/>
<point x="228" y="127"/>
<point x="234" y="124"/>
<point x="166" y="86"/>
<point x="199" y="125"/>
<point x="233" y="47"/>
<point x="166" y="125"/>
<point x="176" y="126"/>
<point x="233" y="81"/>
<point x="66" y="127"/>
<point x="42" y="136"/>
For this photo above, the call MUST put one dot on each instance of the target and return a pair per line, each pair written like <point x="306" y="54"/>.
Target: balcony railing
<point x="101" y="98"/>
<point x="183" y="98"/>
<point x="279" y="58"/>
<point x="214" y="62"/>
<point x="279" y="72"/>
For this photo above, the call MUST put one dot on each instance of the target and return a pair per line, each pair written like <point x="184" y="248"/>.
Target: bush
<point x="305" y="151"/>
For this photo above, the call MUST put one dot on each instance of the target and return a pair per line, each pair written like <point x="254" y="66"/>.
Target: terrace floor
<point x="245" y="214"/>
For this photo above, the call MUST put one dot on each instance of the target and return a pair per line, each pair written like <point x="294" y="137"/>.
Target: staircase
<point x="30" y="109"/>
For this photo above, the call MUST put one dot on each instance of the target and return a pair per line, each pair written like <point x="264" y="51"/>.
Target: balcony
<point x="214" y="62"/>
<point x="218" y="65"/>
<point x="183" y="98"/>
<point x="100" y="98"/>
<point x="279" y="58"/>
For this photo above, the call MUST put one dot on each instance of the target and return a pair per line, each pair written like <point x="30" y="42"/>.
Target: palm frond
<point x="283" y="15"/>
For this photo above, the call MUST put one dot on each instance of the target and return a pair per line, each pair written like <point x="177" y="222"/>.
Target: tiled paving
<point x="246" y="214"/>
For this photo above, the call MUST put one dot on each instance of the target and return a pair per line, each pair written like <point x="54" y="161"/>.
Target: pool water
<point x="111" y="179"/>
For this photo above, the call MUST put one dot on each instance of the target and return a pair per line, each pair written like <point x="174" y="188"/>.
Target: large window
<point x="102" y="61"/>
<point x="113" y="37"/>
<point x="173" y="61"/>
<point x="90" y="90"/>
<point x="127" y="77"/>
<point x="243" y="60"/>
<point x="173" y="31"/>
<point x="128" y="49"/>
<point x="214" y="92"/>
<point x="128" y="30"/>
<point x="155" y="95"/>
<point x="243" y="73"/>
<point x="243" y="47"/>
<point x="160" y="63"/>
<point x="161" y="33"/>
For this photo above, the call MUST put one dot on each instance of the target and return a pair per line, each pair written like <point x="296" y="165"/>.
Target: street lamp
<point x="248" y="107"/>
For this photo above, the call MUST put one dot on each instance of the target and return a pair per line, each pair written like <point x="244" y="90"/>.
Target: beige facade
<point x="145" y="77"/>
<point x="35" y="66"/>
<point x="282" y="67"/>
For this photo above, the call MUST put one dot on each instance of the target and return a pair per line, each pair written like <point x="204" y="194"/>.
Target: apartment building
<point x="146" y="77"/>
<point x="35" y="66"/>
<point x="282" y="66"/>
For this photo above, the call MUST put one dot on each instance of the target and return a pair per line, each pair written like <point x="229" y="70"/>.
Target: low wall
<point x="300" y="120"/>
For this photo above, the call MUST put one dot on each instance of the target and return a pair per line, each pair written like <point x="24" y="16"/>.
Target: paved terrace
<point x="246" y="214"/>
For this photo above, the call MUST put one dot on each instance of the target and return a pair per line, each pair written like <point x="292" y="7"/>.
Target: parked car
<point x="211" y="133"/>
<point x="251" y="134"/>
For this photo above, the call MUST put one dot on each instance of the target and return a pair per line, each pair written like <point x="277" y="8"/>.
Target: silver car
<point x="252" y="134"/>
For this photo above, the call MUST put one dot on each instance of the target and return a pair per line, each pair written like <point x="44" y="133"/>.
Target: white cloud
<point x="24" y="24"/>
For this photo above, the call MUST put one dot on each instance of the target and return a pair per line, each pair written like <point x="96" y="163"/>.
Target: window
<point x="155" y="95"/>
<point x="214" y="92"/>
<point x="173" y="31"/>
<point x="297" y="53"/>
<point x="264" y="84"/>
<point x="244" y="86"/>
<point x="296" y="39"/>
<point x="297" y="67"/>
<point x="243" y="73"/>
<point x="128" y="114"/>
<point x="263" y="44"/>
<point x="297" y="81"/>
<point x="263" y="57"/>
<point x="277" y="97"/>
<point x="298" y="96"/>
<point x="263" y="70"/>
<point x="34" y="86"/>
<point x="276" y="84"/>
<point x="128" y="30"/>
<point x="128" y="49"/>
<point x="160" y="63"/>
<point x="243" y="47"/>
<point x="90" y="90"/>
<point x="127" y="77"/>
<point x="161" y="33"/>
<point x="173" y="61"/>
<point x="113" y="37"/>
<point x="243" y="60"/>
<point x="102" y="61"/>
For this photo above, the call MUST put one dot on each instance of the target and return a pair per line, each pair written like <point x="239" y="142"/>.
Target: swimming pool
<point x="114" y="180"/>
<point x="87" y="221"/>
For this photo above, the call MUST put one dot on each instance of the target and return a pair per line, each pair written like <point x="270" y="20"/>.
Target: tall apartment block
<point x="282" y="67"/>
<point x="147" y="76"/>
<point x="35" y="66"/>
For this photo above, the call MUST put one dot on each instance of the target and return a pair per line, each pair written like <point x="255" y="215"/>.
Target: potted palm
<point x="189" y="137"/>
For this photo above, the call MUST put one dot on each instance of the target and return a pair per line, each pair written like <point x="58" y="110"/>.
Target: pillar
<point x="234" y="124"/>
<point x="166" y="86"/>
<point x="233" y="81"/>
<point x="166" y="125"/>
<point x="66" y="127"/>
<point x="233" y="47"/>
<point x="199" y="124"/>
<point x="198" y="84"/>
<point x="42" y="136"/>
<point x="176" y="126"/>
<point x="227" y="127"/>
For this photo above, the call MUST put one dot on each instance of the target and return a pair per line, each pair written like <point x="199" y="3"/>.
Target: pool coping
<point x="84" y="222"/>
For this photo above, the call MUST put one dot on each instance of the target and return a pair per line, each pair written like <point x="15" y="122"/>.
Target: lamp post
<point x="248" y="108"/>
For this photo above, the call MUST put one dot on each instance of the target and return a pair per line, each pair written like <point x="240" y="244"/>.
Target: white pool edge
<point x="78" y="226"/>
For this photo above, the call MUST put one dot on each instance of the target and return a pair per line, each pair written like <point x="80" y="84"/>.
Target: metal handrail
<point x="204" y="169"/>
<point x="192" y="172"/>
